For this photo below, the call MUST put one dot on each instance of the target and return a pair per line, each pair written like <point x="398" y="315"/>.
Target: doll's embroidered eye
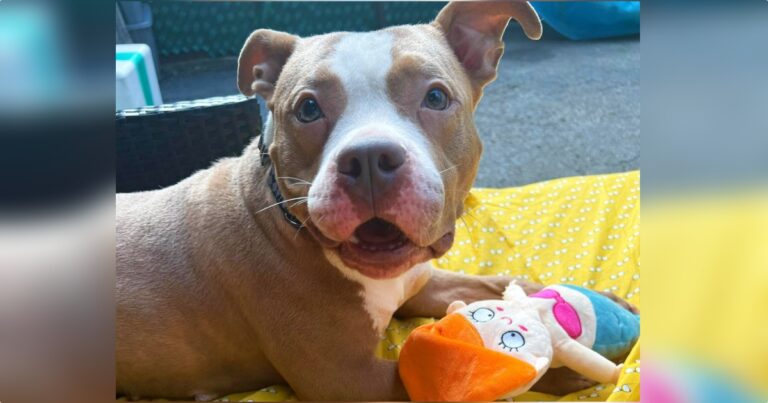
<point x="482" y="315"/>
<point x="512" y="340"/>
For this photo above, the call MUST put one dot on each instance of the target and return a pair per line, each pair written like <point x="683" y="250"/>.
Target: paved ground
<point x="559" y="108"/>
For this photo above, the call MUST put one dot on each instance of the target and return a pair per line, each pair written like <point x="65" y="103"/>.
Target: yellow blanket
<point x="582" y="230"/>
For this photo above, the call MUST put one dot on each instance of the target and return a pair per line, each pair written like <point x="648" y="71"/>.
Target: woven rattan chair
<point x="160" y="145"/>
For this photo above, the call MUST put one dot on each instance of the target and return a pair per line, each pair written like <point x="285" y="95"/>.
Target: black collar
<point x="272" y="181"/>
<point x="281" y="201"/>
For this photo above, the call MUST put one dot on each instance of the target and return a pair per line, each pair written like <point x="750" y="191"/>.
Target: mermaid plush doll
<point x="496" y="349"/>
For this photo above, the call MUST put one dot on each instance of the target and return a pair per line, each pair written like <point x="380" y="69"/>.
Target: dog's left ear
<point x="474" y="30"/>
<point x="261" y="61"/>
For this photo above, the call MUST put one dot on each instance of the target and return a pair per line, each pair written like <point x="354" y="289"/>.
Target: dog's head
<point x="376" y="129"/>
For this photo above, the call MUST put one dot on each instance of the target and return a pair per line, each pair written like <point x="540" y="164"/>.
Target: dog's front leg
<point x="445" y="287"/>
<point x="326" y="350"/>
<point x="344" y="378"/>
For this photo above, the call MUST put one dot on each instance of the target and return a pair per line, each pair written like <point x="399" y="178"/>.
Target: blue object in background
<point x="591" y="20"/>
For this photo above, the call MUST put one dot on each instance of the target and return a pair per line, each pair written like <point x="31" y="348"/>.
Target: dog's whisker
<point x="449" y="168"/>
<point x="297" y="180"/>
<point x="303" y="225"/>
<point x="465" y="222"/>
<point x="460" y="192"/>
<point x="469" y="213"/>
<point x="498" y="206"/>
<point x="281" y="202"/>
<point x="300" y="202"/>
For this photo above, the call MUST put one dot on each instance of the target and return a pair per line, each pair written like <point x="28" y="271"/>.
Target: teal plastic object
<point x="591" y="20"/>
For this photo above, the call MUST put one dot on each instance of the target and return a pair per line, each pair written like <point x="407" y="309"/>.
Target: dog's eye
<point x="436" y="99"/>
<point x="308" y="111"/>
<point x="512" y="340"/>
<point x="482" y="315"/>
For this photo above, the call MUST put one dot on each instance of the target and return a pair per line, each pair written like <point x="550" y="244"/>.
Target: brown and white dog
<point x="373" y="146"/>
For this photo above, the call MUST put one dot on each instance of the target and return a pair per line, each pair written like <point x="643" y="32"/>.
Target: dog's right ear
<point x="261" y="61"/>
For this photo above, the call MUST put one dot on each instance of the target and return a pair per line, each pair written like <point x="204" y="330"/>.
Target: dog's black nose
<point x="371" y="164"/>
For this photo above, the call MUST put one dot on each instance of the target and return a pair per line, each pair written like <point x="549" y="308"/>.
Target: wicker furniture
<point x="161" y="145"/>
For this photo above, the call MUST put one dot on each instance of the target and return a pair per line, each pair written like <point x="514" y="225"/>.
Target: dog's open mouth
<point x="377" y="235"/>
<point x="379" y="249"/>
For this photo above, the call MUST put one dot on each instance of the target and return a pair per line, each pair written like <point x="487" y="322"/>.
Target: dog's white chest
<point x="381" y="298"/>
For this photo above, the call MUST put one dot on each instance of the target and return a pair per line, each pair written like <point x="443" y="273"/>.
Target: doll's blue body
<point x="617" y="328"/>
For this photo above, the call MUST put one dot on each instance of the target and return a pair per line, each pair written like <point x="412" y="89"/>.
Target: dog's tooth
<point x="354" y="240"/>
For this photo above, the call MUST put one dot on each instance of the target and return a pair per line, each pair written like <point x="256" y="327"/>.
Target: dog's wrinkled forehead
<point x="362" y="61"/>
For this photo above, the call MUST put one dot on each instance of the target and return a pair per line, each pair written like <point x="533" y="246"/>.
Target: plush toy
<point x="498" y="349"/>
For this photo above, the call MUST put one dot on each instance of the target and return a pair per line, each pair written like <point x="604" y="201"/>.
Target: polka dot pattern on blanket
<point x="583" y="231"/>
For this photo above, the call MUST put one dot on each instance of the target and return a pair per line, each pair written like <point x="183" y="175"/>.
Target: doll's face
<point x="506" y="328"/>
